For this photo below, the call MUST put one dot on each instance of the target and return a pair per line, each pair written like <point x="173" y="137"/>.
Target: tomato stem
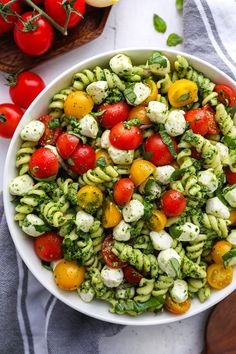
<point x="3" y="118"/>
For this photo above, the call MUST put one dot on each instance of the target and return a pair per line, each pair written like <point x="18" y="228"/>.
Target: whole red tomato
<point x="10" y="115"/>
<point x="66" y="144"/>
<point x="123" y="191"/>
<point x="24" y="88"/>
<point x="6" y="26"/>
<point x="198" y="121"/>
<point x="57" y="11"/>
<point x="48" y="246"/>
<point x="37" y="41"/>
<point x="43" y="164"/>
<point x="114" y="113"/>
<point x="82" y="159"/>
<point x="157" y="152"/>
<point x="126" y="138"/>
<point x="109" y="257"/>
<point x="173" y="203"/>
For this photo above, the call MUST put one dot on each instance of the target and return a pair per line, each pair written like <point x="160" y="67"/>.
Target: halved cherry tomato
<point x="177" y="308"/>
<point x="123" y="191"/>
<point x="10" y="115"/>
<point x="52" y="130"/>
<point x="43" y="164"/>
<point x="157" y="152"/>
<point x="173" y="203"/>
<point x="213" y="128"/>
<point x="131" y="275"/>
<point x="198" y="121"/>
<point x="140" y="113"/>
<point x="82" y="159"/>
<point x="230" y="176"/>
<point x="158" y="221"/>
<point x="195" y="154"/>
<point x="226" y="95"/>
<point x="140" y="170"/>
<point x="66" y="144"/>
<point x="111" y="214"/>
<point x="48" y="246"/>
<point x="232" y="217"/>
<point x="218" y="276"/>
<point x="219" y="249"/>
<point x="6" y="25"/>
<point x="126" y="138"/>
<point x="114" y="113"/>
<point x="154" y="91"/>
<point x="78" y="104"/>
<point x="68" y="275"/>
<point x="109" y="257"/>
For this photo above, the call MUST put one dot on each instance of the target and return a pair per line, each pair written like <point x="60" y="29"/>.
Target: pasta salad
<point x="127" y="186"/>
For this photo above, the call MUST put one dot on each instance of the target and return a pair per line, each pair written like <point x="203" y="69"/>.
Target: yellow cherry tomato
<point x="140" y="113"/>
<point x="140" y="170"/>
<point x="154" y="92"/>
<point x="78" y="104"/>
<point x="103" y="154"/>
<point x="68" y="275"/>
<point x="101" y="3"/>
<point x="219" y="249"/>
<point x="218" y="276"/>
<point x="111" y="215"/>
<point x="182" y="92"/>
<point x="158" y="221"/>
<point x="90" y="198"/>
<point x="177" y="308"/>
<point x="232" y="217"/>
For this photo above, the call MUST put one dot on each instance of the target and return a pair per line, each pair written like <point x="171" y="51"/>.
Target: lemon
<point x="101" y="3"/>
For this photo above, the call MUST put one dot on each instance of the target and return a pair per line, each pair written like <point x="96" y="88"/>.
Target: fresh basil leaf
<point x="175" y="265"/>
<point x="174" y="39"/>
<point x="130" y="94"/>
<point x="101" y="162"/>
<point x="157" y="58"/>
<point x="132" y="122"/>
<point x="98" y="114"/>
<point x="41" y="228"/>
<point x="159" y="24"/>
<point x="179" y="4"/>
<point x="167" y="141"/>
<point x="176" y="174"/>
<point x="147" y="155"/>
<point x="174" y="231"/>
<point x="229" y="141"/>
<point x="147" y="210"/>
<point x="184" y="97"/>
<point x="47" y="265"/>
<point x="229" y="258"/>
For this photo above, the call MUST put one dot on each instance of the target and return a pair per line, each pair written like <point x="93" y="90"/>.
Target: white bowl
<point x="23" y="243"/>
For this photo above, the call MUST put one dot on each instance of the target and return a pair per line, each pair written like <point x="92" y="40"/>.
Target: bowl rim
<point x="118" y="319"/>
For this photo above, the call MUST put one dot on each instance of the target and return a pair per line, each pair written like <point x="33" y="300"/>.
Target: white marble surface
<point x="130" y="25"/>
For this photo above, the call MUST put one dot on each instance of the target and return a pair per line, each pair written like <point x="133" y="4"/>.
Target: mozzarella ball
<point x="230" y="196"/>
<point x="21" y="185"/>
<point x="175" y="124"/>
<point x="86" y="292"/>
<point x="232" y="238"/>
<point x="161" y="240"/>
<point x="98" y="90"/>
<point x="164" y="261"/>
<point x="158" y="64"/>
<point x="208" y="180"/>
<point x="163" y="173"/>
<point x="136" y="93"/>
<point x="105" y="140"/>
<point x="84" y="221"/>
<point x="189" y="232"/>
<point x="121" y="64"/>
<point x="122" y="231"/>
<point x="121" y="157"/>
<point x="223" y="151"/>
<point x="33" y="131"/>
<point x="111" y="277"/>
<point x="88" y="126"/>
<point x="157" y="112"/>
<point x="179" y="292"/>
<point x="33" y="225"/>
<point x="214" y="206"/>
<point x="133" y="211"/>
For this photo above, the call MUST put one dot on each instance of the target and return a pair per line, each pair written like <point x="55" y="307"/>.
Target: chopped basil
<point x="130" y="94"/>
<point x="175" y="265"/>
<point x="229" y="258"/>
<point x="175" y="231"/>
<point x="167" y="141"/>
<point x="184" y="97"/>
<point x="130" y="123"/>
<point x="159" y="24"/>
<point x="41" y="228"/>
<point x="101" y="162"/>
<point x="98" y="114"/>
<point x="229" y="141"/>
<point x="179" y="4"/>
<point x="54" y="123"/>
<point x="2" y="118"/>
<point x="158" y="58"/>
<point x="147" y="155"/>
<point x="174" y="39"/>
<point x="46" y="265"/>
<point x="147" y="210"/>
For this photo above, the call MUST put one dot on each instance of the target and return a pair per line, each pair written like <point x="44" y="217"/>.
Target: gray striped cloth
<point x="32" y="321"/>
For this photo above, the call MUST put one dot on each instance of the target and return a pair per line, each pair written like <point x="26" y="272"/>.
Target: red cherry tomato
<point x="66" y="145"/>
<point x="43" y="164"/>
<point x="109" y="257"/>
<point x="6" y="26"/>
<point x="226" y="95"/>
<point x="48" y="246"/>
<point x="230" y="176"/>
<point x="37" y="41"/>
<point x="213" y="128"/>
<point x="25" y="87"/>
<point x="173" y="203"/>
<point x="82" y="159"/>
<point x="52" y="131"/>
<point x="195" y="154"/>
<point x="126" y="138"/>
<point x="198" y="121"/>
<point x="123" y="191"/>
<point x="157" y="152"/>
<point x="55" y="9"/>
<point x="114" y="113"/>
<point x="10" y="115"/>
<point x="131" y="275"/>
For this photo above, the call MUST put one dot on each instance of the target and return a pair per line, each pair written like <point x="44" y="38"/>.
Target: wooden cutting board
<point x="220" y="336"/>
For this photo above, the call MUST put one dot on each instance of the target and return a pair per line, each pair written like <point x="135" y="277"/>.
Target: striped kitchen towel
<point x="209" y="32"/>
